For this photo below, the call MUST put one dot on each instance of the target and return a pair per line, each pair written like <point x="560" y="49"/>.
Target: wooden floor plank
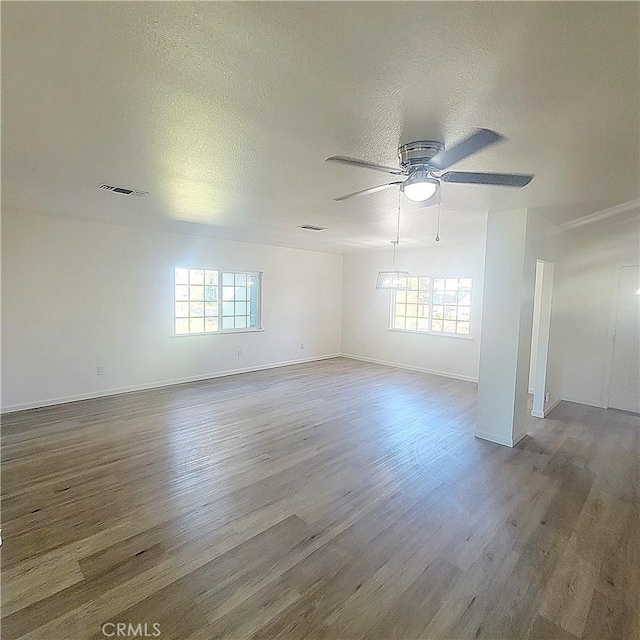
<point x="336" y="499"/>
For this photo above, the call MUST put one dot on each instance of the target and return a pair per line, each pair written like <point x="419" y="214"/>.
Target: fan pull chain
<point x="398" y="231"/>
<point x="397" y="240"/>
<point x="438" y="223"/>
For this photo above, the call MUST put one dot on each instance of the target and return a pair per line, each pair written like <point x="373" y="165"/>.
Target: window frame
<point x="259" y="316"/>
<point x="464" y="336"/>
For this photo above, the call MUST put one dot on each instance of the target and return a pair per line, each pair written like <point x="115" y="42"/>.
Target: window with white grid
<point x="212" y="301"/>
<point x="433" y="305"/>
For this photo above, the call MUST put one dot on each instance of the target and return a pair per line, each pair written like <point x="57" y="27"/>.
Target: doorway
<point x="540" y="336"/>
<point x="624" y="388"/>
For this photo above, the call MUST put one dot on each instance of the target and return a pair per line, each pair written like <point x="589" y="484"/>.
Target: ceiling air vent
<point x="122" y="190"/>
<point x="311" y="227"/>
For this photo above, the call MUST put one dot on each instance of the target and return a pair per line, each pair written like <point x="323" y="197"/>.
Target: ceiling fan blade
<point x="477" y="141"/>
<point x="354" y="162"/>
<point x="499" y="179"/>
<point x="364" y="192"/>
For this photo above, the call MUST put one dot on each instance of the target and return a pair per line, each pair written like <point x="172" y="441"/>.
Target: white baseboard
<point x="507" y="442"/>
<point x="518" y="438"/>
<point x="398" y="365"/>
<point x="589" y="403"/>
<point x="157" y="385"/>
<point x="537" y="414"/>
<point x="552" y="406"/>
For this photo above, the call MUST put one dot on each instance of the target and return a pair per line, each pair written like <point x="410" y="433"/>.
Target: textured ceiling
<point x="225" y="112"/>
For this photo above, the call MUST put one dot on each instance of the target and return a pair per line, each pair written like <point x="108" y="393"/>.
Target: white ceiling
<point x="225" y="112"/>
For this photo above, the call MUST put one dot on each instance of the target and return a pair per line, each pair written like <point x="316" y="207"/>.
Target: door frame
<point x="613" y="325"/>
<point x="542" y="317"/>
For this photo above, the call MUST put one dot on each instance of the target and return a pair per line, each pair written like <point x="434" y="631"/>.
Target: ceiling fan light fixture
<point x="419" y="186"/>
<point x="419" y="159"/>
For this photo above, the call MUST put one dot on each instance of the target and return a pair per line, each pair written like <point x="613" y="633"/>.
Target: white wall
<point x="515" y="241"/>
<point x="365" y="311"/>
<point x="502" y="333"/>
<point x="77" y="295"/>
<point x="585" y="292"/>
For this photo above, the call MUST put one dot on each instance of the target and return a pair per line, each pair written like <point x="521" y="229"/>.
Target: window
<point x="433" y="305"/>
<point x="240" y="300"/>
<point x="210" y="301"/>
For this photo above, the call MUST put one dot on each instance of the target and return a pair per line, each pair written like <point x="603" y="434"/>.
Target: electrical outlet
<point x="239" y="352"/>
<point x="547" y="397"/>
<point x="99" y="371"/>
<point x="302" y="345"/>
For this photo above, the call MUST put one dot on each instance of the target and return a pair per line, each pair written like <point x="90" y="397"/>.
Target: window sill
<point x="216" y="333"/>
<point x="458" y="336"/>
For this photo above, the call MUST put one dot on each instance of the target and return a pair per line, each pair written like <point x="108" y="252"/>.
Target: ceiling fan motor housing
<point x="414" y="154"/>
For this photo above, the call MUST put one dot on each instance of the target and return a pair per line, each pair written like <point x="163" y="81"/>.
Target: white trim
<point x="518" y="438"/>
<point x="459" y="336"/>
<point x="156" y="385"/>
<point x="506" y="442"/>
<point x="397" y="365"/>
<point x="588" y="403"/>
<point x="215" y="333"/>
<point x="542" y="414"/>
<point x="552" y="406"/>
<point x="604" y="214"/>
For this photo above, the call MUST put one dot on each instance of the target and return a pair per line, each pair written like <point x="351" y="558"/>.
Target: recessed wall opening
<point x="543" y="297"/>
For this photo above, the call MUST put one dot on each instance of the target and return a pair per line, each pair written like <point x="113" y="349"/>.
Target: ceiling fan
<point x="421" y="161"/>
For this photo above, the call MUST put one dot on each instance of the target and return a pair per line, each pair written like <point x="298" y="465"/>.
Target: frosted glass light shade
<point x="419" y="186"/>
<point x="392" y="280"/>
